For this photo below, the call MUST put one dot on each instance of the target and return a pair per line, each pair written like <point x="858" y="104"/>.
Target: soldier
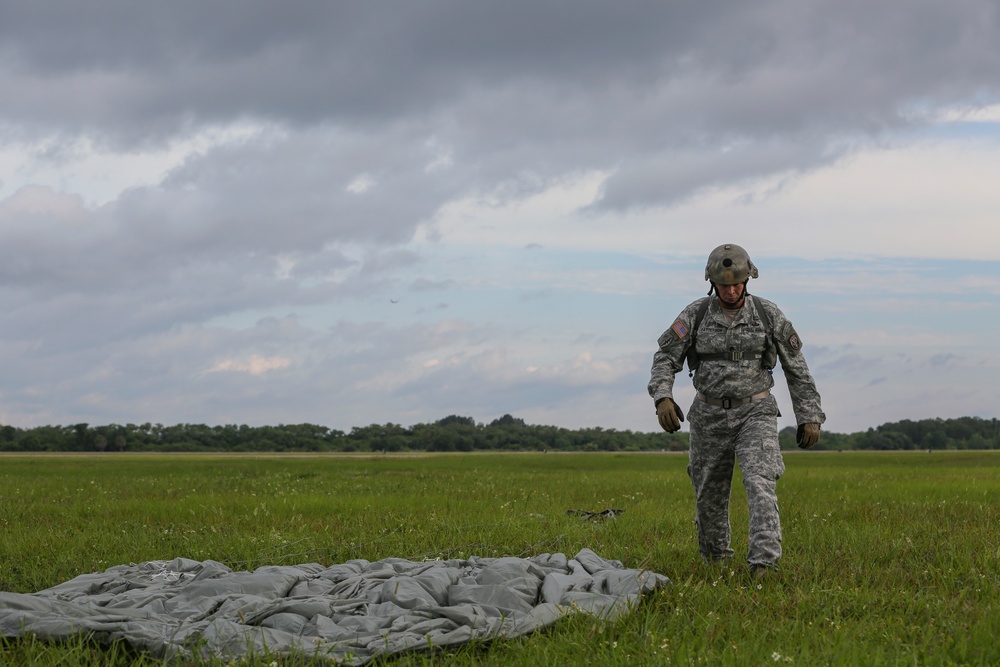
<point x="731" y="343"/>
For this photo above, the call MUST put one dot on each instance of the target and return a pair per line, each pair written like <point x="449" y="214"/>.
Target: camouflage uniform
<point x="748" y="432"/>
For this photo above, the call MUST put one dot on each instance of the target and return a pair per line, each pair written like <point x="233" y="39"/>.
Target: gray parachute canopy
<point x="347" y="613"/>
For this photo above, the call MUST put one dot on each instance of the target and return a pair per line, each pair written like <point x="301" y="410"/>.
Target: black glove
<point x="807" y="435"/>
<point x="669" y="414"/>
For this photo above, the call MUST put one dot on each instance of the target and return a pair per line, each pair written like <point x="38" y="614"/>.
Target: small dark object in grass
<point x="595" y="516"/>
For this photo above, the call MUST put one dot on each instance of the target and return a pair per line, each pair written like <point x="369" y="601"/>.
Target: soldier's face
<point x="730" y="295"/>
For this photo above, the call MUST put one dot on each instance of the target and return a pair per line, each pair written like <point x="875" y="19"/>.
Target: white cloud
<point x="99" y="172"/>
<point x="929" y="198"/>
<point x="989" y="113"/>
<point x="361" y="184"/>
<point x="39" y="202"/>
<point x="253" y="365"/>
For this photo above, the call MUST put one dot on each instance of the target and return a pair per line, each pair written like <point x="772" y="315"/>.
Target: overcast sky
<point x="349" y="213"/>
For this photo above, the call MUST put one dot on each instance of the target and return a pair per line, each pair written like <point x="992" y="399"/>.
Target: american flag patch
<point x="679" y="329"/>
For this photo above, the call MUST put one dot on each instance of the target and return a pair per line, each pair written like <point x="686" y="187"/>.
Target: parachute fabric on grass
<point x="347" y="613"/>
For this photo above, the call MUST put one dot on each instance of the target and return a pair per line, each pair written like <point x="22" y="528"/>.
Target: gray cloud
<point x="945" y="359"/>
<point x="365" y="120"/>
<point x="596" y="81"/>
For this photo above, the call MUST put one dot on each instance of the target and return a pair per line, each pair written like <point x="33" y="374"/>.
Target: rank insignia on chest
<point x="679" y="328"/>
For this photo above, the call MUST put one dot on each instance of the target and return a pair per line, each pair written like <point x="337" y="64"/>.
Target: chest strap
<point x="731" y="355"/>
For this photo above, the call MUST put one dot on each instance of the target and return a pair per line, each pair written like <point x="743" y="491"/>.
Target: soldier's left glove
<point x="807" y="435"/>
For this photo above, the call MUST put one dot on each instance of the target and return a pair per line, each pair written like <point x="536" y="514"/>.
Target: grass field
<point x="890" y="558"/>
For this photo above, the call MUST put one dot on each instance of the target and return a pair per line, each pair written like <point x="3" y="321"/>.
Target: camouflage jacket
<point x="724" y="378"/>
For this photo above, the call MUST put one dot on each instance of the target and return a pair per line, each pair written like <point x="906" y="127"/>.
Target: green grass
<point x="890" y="558"/>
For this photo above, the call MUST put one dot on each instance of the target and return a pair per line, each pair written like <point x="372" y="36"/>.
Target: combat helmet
<point x="729" y="264"/>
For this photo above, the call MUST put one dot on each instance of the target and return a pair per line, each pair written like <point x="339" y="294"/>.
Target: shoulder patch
<point x="680" y="329"/>
<point x="794" y="341"/>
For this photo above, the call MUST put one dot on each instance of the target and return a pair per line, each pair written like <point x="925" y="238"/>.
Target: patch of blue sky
<point x="612" y="302"/>
<point x="953" y="129"/>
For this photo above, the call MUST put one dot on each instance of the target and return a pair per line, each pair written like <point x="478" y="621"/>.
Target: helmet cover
<point x="729" y="264"/>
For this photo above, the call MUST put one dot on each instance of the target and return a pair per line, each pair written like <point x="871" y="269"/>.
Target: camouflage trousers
<point x="748" y="435"/>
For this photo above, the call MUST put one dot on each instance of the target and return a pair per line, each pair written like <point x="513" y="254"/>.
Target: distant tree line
<point x="458" y="434"/>
<point x="926" y="434"/>
<point x="451" y="434"/>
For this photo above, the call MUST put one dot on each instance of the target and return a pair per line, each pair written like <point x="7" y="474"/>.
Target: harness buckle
<point x="727" y="403"/>
<point x="735" y="355"/>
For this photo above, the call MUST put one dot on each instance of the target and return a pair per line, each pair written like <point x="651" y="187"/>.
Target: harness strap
<point x="731" y="355"/>
<point x="694" y="358"/>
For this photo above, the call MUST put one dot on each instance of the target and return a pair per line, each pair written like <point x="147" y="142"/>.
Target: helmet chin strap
<point x="739" y="304"/>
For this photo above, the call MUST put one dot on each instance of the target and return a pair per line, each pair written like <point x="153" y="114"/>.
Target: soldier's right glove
<point x="807" y="435"/>
<point x="669" y="414"/>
